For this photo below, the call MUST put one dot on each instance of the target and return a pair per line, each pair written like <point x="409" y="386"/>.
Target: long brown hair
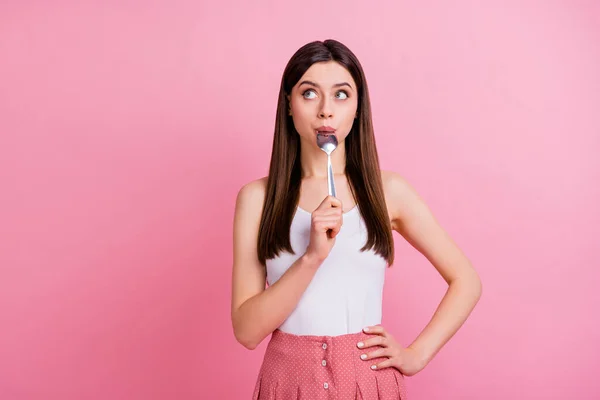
<point x="362" y="161"/>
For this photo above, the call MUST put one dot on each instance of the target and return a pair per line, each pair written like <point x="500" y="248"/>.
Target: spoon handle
<point x="330" y="182"/>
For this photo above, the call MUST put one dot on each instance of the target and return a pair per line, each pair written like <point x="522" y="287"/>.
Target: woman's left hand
<point x="406" y="360"/>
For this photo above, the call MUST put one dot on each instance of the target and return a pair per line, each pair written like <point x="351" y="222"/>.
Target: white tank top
<point x="345" y="294"/>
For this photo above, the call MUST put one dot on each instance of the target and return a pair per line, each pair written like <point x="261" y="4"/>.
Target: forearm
<point x="456" y="305"/>
<point x="260" y="315"/>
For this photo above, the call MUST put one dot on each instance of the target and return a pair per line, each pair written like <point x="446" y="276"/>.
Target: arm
<point x="415" y="222"/>
<point x="255" y="311"/>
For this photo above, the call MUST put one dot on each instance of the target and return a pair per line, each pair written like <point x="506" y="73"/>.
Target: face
<point x="326" y="95"/>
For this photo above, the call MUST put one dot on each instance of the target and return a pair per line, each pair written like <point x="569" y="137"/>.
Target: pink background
<point x="126" y="130"/>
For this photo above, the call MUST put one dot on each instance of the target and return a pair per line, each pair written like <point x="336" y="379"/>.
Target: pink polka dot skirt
<point x="324" y="367"/>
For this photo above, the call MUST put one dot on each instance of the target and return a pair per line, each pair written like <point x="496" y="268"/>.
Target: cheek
<point x="301" y="111"/>
<point x="348" y="110"/>
<point x="349" y="118"/>
<point x="301" y="118"/>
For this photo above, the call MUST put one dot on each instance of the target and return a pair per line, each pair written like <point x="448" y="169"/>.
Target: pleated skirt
<point x="324" y="367"/>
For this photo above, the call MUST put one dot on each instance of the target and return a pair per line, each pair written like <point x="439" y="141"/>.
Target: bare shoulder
<point x="394" y="184"/>
<point x="400" y="196"/>
<point x="251" y="195"/>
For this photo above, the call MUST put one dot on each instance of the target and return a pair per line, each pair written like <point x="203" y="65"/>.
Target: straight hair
<point x="362" y="162"/>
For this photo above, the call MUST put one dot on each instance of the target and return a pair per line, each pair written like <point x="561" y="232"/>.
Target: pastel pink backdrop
<point x="127" y="128"/>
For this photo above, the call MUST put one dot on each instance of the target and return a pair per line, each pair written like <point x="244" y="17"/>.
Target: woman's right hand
<point x="326" y="222"/>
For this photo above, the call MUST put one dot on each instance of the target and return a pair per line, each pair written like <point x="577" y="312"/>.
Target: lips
<point x="325" y="129"/>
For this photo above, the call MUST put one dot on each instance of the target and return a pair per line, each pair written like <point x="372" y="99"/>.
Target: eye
<point x="343" y="93"/>
<point x="309" y="91"/>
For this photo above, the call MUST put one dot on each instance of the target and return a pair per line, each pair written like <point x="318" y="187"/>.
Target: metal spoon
<point x="328" y="143"/>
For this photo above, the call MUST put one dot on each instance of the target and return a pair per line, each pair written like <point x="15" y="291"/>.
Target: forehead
<point x="327" y="74"/>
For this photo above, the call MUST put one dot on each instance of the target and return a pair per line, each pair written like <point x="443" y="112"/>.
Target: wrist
<point x="311" y="260"/>
<point x="422" y="354"/>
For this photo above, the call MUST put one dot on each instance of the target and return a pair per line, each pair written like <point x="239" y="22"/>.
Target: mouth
<point x="325" y="130"/>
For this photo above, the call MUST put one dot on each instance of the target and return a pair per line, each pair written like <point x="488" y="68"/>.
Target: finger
<point x="374" y="341"/>
<point x="331" y="221"/>
<point x="334" y="232"/>
<point x="329" y="211"/>
<point x="375" y="330"/>
<point x="330" y="202"/>
<point x="381" y="352"/>
<point x="326" y="226"/>
<point x="322" y="218"/>
<point x="383" y="364"/>
<point x="339" y="224"/>
<point x="334" y="201"/>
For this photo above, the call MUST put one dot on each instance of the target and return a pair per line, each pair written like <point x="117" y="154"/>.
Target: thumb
<point x="334" y="231"/>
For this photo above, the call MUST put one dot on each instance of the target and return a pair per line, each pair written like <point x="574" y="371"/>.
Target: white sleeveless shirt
<point x="346" y="292"/>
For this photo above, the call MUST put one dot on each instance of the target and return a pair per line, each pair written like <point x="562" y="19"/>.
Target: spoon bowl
<point x="327" y="142"/>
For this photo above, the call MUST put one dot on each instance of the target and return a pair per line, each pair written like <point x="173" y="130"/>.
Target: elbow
<point x="476" y="288"/>
<point x="244" y="338"/>
<point x="249" y="345"/>
<point x="470" y="283"/>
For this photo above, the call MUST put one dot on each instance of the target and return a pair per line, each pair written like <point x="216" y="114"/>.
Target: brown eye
<point x="345" y="95"/>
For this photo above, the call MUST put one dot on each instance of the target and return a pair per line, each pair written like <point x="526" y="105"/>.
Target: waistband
<point x="338" y="340"/>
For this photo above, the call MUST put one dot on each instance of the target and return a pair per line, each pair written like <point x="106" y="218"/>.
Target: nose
<point x="326" y="110"/>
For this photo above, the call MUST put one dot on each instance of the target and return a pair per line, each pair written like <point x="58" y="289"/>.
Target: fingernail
<point x="364" y="356"/>
<point x="366" y="329"/>
<point x="373" y="366"/>
<point x="360" y="344"/>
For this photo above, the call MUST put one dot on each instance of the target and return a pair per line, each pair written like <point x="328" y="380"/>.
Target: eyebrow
<point x="315" y="85"/>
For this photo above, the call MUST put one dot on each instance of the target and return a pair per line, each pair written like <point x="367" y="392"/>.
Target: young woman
<point x="323" y="257"/>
